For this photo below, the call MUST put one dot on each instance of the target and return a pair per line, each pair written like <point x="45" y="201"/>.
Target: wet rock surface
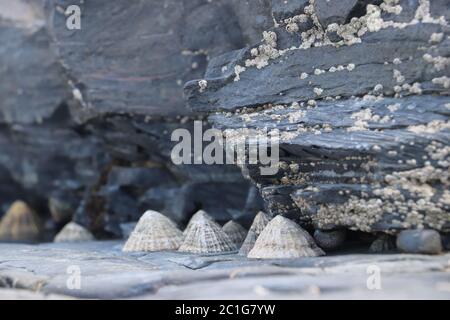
<point x="40" y="271"/>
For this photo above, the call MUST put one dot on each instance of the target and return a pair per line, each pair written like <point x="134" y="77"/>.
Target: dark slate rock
<point x="95" y="126"/>
<point x="446" y="241"/>
<point x="359" y="146"/>
<point x="419" y="241"/>
<point x="284" y="9"/>
<point x="337" y="11"/>
<point x="280" y="83"/>
<point x="253" y="17"/>
<point x="137" y="62"/>
<point x="322" y="169"/>
<point x="330" y="239"/>
<point x="33" y="86"/>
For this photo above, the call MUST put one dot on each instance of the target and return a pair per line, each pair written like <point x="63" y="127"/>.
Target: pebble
<point x="419" y="241"/>
<point x="330" y="240"/>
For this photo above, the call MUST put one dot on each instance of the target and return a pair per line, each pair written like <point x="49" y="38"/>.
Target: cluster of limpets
<point x="266" y="239"/>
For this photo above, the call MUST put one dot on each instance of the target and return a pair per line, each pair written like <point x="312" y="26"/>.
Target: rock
<point x="354" y="150"/>
<point x="62" y="207"/>
<point x="360" y="79"/>
<point x="384" y="243"/>
<point x="282" y="9"/>
<point x="36" y="94"/>
<point x="337" y="11"/>
<point x="419" y="241"/>
<point x="107" y="273"/>
<point x="330" y="240"/>
<point x="101" y="139"/>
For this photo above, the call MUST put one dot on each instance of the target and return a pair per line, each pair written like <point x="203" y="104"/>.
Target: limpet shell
<point x="20" y="224"/>
<point x="206" y="236"/>
<point x="284" y="239"/>
<point x="73" y="232"/>
<point x="235" y="231"/>
<point x="154" y="232"/>
<point x="259" y="223"/>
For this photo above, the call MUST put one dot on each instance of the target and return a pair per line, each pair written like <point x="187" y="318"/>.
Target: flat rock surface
<point x="43" y="272"/>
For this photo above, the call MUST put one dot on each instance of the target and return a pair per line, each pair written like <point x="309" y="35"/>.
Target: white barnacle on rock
<point x="398" y="77"/>
<point x="318" y="91"/>
<point x="440" y="63"/>
<point x="393" y="107"/>
<point x="391" y="6"/>
<point x="378" y="88"/>
<point x="202" y="84"/>
<point x="443" y="81"/>
<point x="312" y="103"/>
<point x="265" y="52"/>
<point x="237" y="71"/>
<point x="423" y="14"/>
<point x="415" y="88"/>
<point x="351" y="67"/>
<point x="431" y="127"/>
<point x="436" y="37"/>
<point x="292" y="27"/>
<point x="304" y="75"/>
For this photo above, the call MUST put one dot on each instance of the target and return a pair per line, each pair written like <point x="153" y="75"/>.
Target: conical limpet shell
<point x="284" y="239"/>
<point x="206" y="236"/>
<point x="73" y="232"/>
<point x="20" y="224"/>
<point x="154" y="232"/>
<point x="235" y="231"/>
<point x="199" y="214"/>
<point x="259" y="223"/>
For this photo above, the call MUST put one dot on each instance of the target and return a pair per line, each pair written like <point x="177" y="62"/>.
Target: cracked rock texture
<point x="358" y="92"/>
<point x="86" y="115"/>
<point x="41" y="272"/>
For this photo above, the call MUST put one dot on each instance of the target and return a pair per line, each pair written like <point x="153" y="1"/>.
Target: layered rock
<point x="359" y="97"/>
<point x="86" y="115"/>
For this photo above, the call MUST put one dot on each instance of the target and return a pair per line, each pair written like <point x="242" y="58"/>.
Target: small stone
<point x="330" y="240"/>
<point x="419" y="241"/>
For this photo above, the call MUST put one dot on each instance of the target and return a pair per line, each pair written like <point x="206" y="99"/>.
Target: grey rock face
<point x="419" y="241"/>
<point x="329" y="12"/>
<point x="361" y="119"/>
<point x="86" y="115"/>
